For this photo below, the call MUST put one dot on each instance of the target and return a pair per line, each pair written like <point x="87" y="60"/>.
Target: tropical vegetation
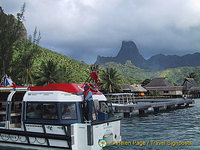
<point x="175" y="76"/>
<point x="23" y="59"/>
<point x="110" y="80"/>
<point x="11" y="29"/>
<point x="27" y="63"/>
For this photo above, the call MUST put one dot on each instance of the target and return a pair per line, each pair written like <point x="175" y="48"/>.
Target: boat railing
<point x="42" y="131"/>
<point x="14" y="89"/>
<point x="121" y="98"/>
<point x="87" y="121"/>
<point x="124" y="102"/>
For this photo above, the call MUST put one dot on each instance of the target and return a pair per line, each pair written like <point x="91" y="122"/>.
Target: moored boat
<point x="51" y="116"/>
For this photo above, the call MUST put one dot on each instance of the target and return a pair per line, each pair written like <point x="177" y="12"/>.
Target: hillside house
<point x="136" y="89"/>
<point x="191" y="88"/>
<point x="161" y="87"/>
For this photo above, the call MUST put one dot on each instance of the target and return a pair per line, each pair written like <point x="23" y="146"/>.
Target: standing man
<point x="87" y="99"/>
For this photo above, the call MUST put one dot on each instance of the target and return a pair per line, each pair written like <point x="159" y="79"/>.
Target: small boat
<point x="52" y="117"/>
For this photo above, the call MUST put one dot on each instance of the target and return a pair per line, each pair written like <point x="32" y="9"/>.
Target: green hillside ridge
<point x="24" y="61"/>
<point x="73" y="70"/>
<point x="77" y="71"/>
<point x="129" y="70"/>
<point x="177" y="75"/>
<point x="27" y="60"/>
<point x="174" y="75"/>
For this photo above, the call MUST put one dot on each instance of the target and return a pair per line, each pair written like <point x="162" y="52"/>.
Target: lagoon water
<point x="180" y="125"/>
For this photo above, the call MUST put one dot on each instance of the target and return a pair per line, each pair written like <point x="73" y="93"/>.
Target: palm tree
<point x="23" y="65"/>
<point x="93" y="67"/>
<point x="49" y="73"/>
<point x="192" y="75"/>
<point x="23" y="61"/>
<point x="110" y="80"/>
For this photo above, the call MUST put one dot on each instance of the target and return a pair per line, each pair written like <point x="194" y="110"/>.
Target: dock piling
<point x="126" y="114"/>
<point x="141" y="111"/>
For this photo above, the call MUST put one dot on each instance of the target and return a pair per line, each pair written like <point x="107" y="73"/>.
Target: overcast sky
<point x="83" y="29"/>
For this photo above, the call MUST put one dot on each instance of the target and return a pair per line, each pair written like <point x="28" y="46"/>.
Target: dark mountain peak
<point x="128" y="51"/>
<point x="128" y="48"/>
<point x="128" y="43"/>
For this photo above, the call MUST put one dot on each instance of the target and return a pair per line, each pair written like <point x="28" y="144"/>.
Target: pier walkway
<point x="143" y="106"/>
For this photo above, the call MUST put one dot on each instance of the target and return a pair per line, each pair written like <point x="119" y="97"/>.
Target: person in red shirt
<point x="87" y="102"/>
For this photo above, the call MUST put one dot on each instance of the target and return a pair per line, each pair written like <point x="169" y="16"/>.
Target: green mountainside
<point x="79" y="71"/>
<point x="72" y="70"/>
<point x="174" y="75"/>
<point x="29" y="64"/>
<point x="24" y="60"/>
<point x="129" y="70"/>
<point x="177" y="75"/>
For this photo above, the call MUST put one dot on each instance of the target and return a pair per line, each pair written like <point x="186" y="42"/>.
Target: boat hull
<point x="77" y="136"/>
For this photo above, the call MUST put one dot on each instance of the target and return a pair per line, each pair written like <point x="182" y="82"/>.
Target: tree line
<point x="25" y="61"/>
<point x="29" y="64"/>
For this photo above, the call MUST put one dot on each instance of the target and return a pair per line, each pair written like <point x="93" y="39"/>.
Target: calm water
<point x="180" y="125"/>
<point x="176" y="126"/>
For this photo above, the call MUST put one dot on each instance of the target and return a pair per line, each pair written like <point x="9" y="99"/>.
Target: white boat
<point x="52" y="117"/>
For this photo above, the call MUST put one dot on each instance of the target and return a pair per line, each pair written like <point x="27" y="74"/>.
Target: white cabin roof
<point x="51" y="96"/>
<point x="56" y="96"/>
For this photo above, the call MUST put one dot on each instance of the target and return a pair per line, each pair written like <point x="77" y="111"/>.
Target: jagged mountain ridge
<point x="160" y="62"/>
<point x="129" y="51"/>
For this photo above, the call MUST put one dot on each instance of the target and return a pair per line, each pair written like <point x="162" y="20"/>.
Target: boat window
<point x="34" y="111"/>
<point x="69" y="111"/>
<point x="3" y="103"/>
<point x="16" y="109"/>
<point x="106" y="107"/>
<point x="46" y="111"/>
<point x="50" y="111"/>
<point x="94" y="117"/>
<point x="96" y="104"/>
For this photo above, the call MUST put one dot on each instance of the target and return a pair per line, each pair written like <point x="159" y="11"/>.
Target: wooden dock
<point x="148" y="105"/>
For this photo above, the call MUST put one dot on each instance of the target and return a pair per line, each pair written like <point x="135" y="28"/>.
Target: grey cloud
<point x="84" y="29"/>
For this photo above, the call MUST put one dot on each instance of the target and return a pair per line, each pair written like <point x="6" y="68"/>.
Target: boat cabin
<point x="11" y="106"/>
<point x="54" y="103"/>
<point x="52" y="116"/>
